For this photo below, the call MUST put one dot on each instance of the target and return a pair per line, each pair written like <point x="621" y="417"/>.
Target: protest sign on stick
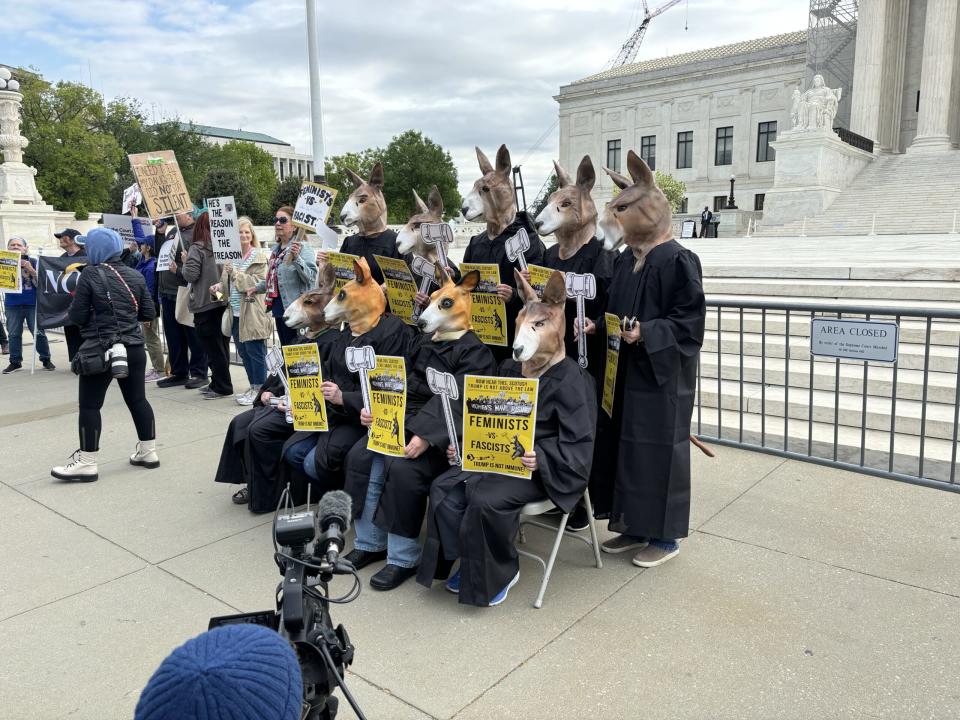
<point x="224" y="229"/>
<point x="130" y="229"/>
<point x="161" y="183"/>
<point x="499" y="420"/>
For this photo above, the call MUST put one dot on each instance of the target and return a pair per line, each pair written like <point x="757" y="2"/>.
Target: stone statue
<point x="815" y="108"/>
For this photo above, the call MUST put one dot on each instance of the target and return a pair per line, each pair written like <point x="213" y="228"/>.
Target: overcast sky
<point x="465" y="74"/>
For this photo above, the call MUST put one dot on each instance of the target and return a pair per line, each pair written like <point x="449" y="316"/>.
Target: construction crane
<point x="627" y="54"/>
<point x="629" y="50"/>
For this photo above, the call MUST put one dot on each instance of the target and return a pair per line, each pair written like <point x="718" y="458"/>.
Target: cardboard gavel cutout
<point x="439" y="234"/>
<point x="275" y="364"/>
<point x="361" y="360"/>
<point x="516" y="248"/>
<point x="445" y="385"/>
<point x="581" y="287"/>
<point x="427" y="272"/>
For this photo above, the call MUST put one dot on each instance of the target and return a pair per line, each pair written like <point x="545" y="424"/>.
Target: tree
<point x="287" y="192"/>
<point x="553" y="184"/>
<point x="414" y="162"/>
<point x="674" y="189"/>
<point x="74" y="157"/>
<point x="251" y="163"/>
<point x="218" y="183"/>
<point x="361" y="163"/>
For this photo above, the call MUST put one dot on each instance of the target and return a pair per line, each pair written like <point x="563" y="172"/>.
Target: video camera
<point x="307" y="547"/>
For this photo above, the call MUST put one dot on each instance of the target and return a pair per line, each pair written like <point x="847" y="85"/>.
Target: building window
<point x="685" y="149"/>
<point x="684" y="208"/>
<point x="719" y="202"/>
<point x="724" y="153"/>
<point x="648" y="150"/>
<point x="613" y="155"/>
<point x="280" y="164"/>
<point x="758" y="202"/>
<point x="766" y="134"/>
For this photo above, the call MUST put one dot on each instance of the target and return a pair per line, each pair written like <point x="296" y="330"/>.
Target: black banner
<point x="56" y="285"/>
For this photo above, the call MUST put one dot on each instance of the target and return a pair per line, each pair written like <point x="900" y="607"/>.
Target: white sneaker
<point x="248" y="397"/>
<point x="145" y="454"/>
<point x="152" y="376"/>
<point x="82" y="467"/>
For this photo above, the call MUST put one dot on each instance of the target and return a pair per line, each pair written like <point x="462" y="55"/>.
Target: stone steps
<point x="876" y="290"/>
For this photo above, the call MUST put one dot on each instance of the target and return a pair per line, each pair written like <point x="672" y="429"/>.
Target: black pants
<point x="405" y="492"/>
<point x="71" y="333"/>
<point x="180" y="339"/>
<point x="93" y="389"/>
<point x="287" y="336"/>
<point x="217" y="347"/>
<point x="475" y="516"/>
<point x="267" y="431"/>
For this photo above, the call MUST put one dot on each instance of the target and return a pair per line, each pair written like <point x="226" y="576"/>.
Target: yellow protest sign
<point x="388" y="405"/>
<point x="401" y="288"/>
<point x="613" y="356"/>
<point x="304" y="376"/>
<point x="343" y="265"/>
<point x="538" y="278"/>
<point x="499" y="419"/>
<point x="161" y="183"/>
<point x="489" y="314"/>
<point x="9" y="271"/>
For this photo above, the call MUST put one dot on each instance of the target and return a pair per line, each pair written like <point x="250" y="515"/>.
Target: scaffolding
<point x="831" y="41"/>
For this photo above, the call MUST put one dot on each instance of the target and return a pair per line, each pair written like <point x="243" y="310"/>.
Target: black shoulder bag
<point x="91" y="357"/>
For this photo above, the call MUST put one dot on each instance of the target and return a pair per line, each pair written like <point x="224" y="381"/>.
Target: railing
<point x="857" y="141"/>
<point x="760" y="388"/>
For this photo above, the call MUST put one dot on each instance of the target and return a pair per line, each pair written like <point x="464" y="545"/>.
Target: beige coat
<point x="255" y="323"/>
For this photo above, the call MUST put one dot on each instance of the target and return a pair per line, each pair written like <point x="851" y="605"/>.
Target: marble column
<point x="894" y="63"/>
<point x="936" y="76"/>
<point x="868" y="68"/>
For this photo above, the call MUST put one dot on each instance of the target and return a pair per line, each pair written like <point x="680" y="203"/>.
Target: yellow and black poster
<point x="9" y="271"/>
<point x="388" y="405"/>
<point x="489" y="315"/>
<point x="613" y="356"/>
<point x="401" y="289"/>
<point x="304" y="375"/>
<point x="343" y="265"/>
<point x="538" y="278"/>
<point x="499" y="419"/>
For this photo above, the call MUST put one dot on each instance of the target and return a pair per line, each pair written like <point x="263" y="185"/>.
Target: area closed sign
<point x="854" y="339"/>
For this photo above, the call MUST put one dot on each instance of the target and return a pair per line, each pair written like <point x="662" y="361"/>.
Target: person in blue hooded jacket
<point x="111" y="301"/>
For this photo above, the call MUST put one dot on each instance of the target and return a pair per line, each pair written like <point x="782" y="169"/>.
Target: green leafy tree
<point x="220" y="182"/>
<point x="287" y="192"/>
<point x="360" y="162"/>
<point x="553" y="184"/>
<point x="674" y="189"/>
<point x="253" y="164"/>
<point x="414" y="162"/>
<point x="75" y="158"/>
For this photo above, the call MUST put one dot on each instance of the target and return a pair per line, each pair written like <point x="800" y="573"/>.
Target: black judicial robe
<point x="391" y="336"/>
<point x="484" y="249"/>
<point x="591" y="258"/>
<point x="564" y="443"/>
<point x="367" y="246"/>
<point x="407" y="487"/>
<point x="646" y="454"/>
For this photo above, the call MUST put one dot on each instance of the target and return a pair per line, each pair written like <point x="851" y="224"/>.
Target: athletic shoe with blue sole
<point x="453" y="584"/>
<point x="502" y="595"/>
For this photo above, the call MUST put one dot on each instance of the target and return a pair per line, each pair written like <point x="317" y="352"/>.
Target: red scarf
<point x="273" y="286"/>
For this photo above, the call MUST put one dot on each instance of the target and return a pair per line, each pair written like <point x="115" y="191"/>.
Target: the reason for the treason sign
<point x="854" y="339"/>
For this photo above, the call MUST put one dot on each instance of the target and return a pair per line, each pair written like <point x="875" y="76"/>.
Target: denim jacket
<point x="296" y="278"/>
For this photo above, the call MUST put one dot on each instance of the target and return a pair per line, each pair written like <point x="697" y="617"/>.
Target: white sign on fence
<point x="224" y="230"/>
<point x="854" y="339"/>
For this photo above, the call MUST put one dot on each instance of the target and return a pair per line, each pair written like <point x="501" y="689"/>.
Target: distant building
<point x="700" y="116"/>
<point x="286" y="160"/>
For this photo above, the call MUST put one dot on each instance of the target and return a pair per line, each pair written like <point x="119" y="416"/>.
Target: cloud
<point x="465" y="74"/>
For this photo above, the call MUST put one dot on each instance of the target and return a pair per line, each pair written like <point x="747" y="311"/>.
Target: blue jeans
<point x="401" y="551"/>
<point x="16" y="316"/>
<point x="253" y="354"/>
<point x="301" y="455"/>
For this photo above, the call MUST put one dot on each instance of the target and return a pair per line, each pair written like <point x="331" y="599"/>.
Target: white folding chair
<point x="528" y="517"/>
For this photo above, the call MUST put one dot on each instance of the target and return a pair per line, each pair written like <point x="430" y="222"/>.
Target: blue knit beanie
<point x="242" y="672"/>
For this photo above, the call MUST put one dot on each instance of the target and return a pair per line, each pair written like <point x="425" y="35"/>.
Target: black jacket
<point x="106" y="310"/>
<point x="384" y="244"/>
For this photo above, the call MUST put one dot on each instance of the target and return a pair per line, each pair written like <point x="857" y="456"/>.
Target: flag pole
<point x="36" y="325"/>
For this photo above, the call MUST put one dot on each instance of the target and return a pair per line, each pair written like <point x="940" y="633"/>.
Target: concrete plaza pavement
<point x="802" y="592"/>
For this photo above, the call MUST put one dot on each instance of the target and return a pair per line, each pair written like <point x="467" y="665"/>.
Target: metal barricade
<point x="759" y="387"/>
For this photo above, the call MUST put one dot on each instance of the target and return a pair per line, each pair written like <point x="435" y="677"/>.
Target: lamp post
<point x="731" y="204"/>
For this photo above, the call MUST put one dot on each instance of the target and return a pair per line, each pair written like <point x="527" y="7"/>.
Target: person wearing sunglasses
<point x="291" y="271"/>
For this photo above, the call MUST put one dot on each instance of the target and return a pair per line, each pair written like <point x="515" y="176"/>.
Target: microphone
<point x="334" y="512"/>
